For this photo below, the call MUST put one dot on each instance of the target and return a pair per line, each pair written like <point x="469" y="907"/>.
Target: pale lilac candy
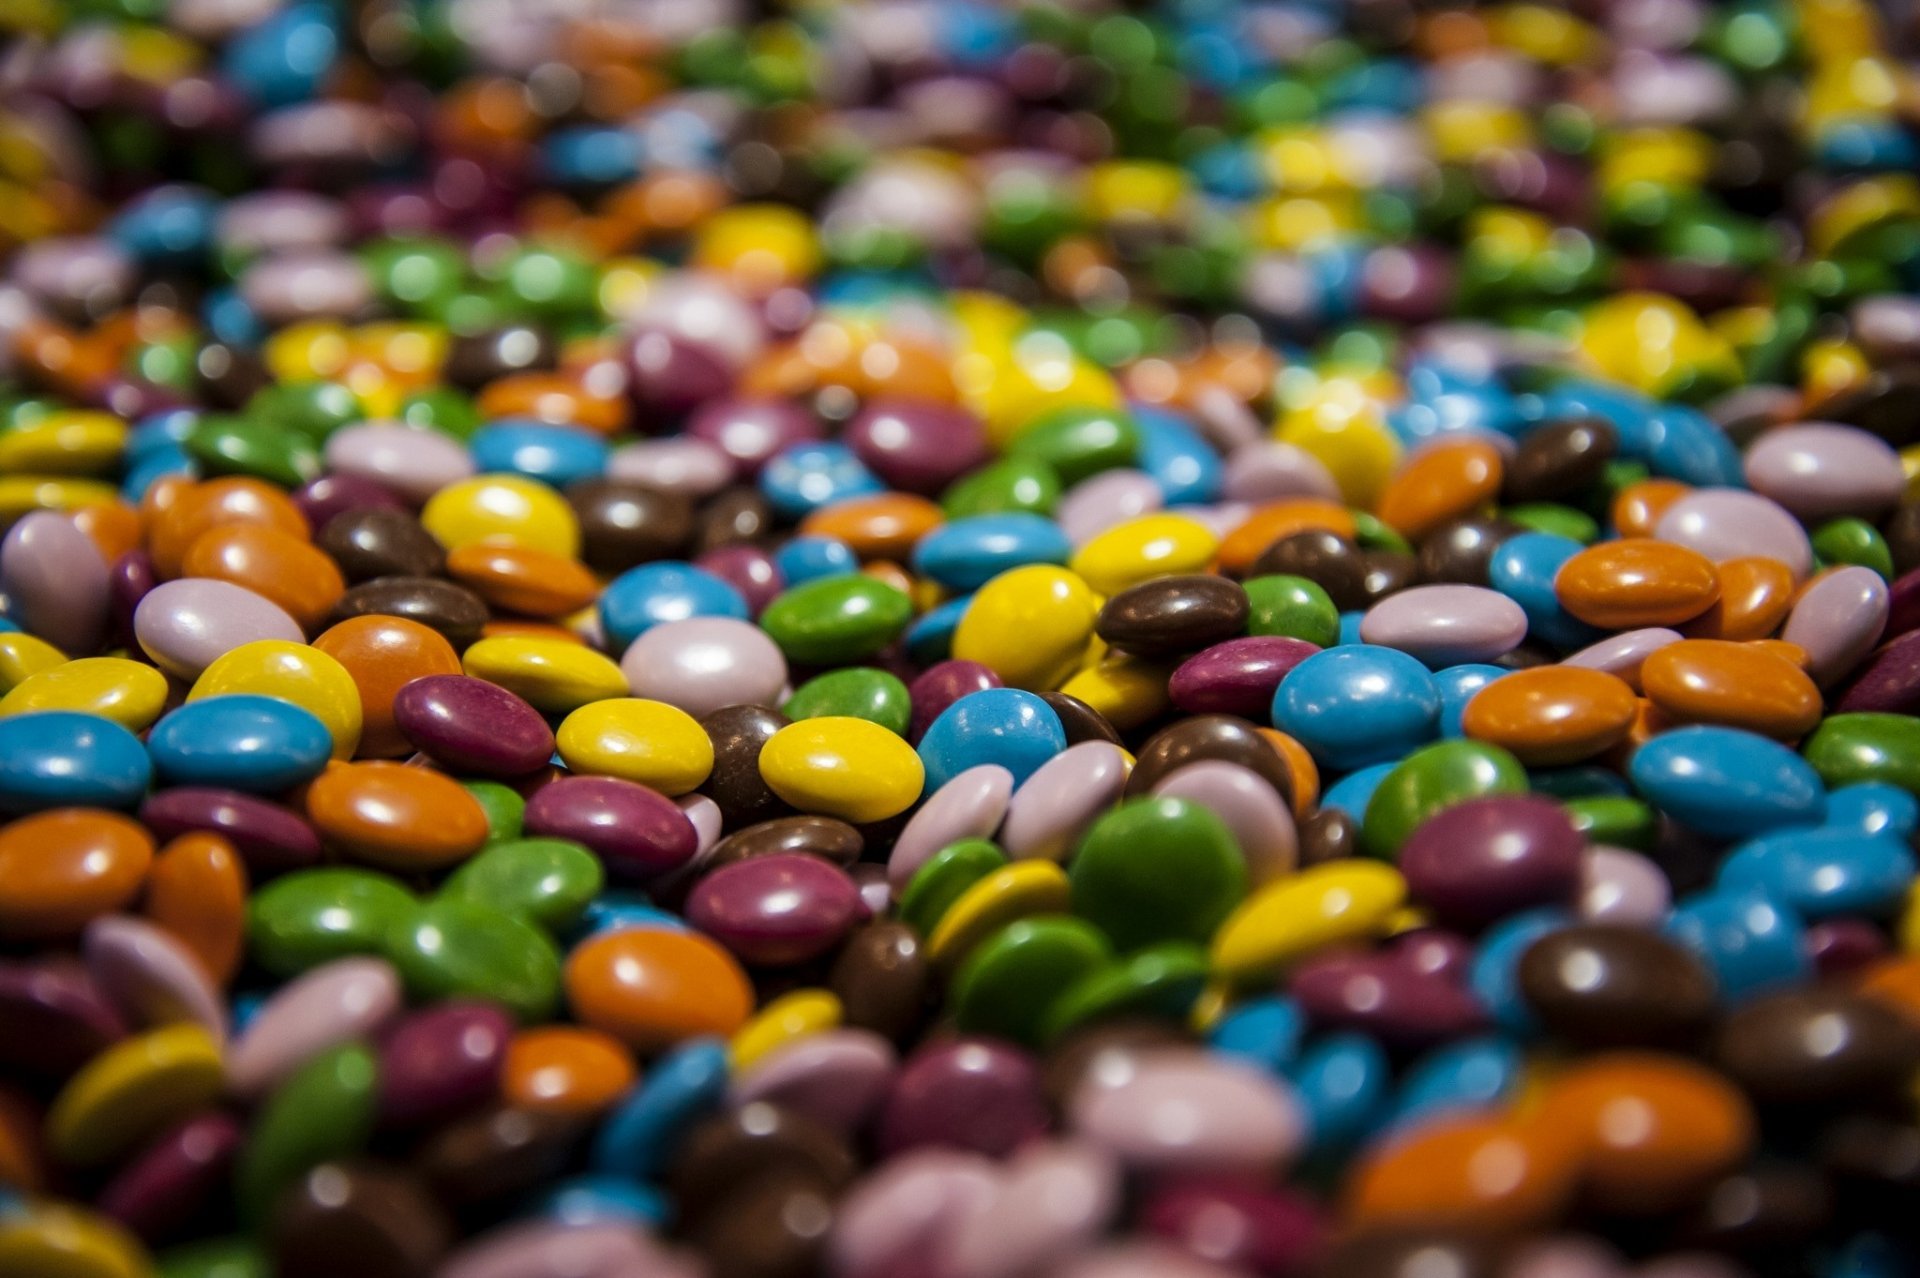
<point x="1268" y="470"/>
<point x="150" y="977"/>
<point x="551" y="1249"/>
<point x="930" y="202"/>
<point x="1837" y="620"/>
<point x="1249" y="807"/>
<point x="691" y="466"/>
<point x="898" y="1209"/>
<point x="65" y="270"/>
<point x="702" y="664"/>
<point x="703" y="814"/>
<point x="1887" y="327"/>
<point x="278" y="221"/>
<point x="1571" y="1256"/>
<point x="188" y="624"/>
<point x="1224" y="421"/>
<point x="704" y="309"/>
<point x="1618" y="885"/>
<point x="56" y="582"/>
<point x="308" y="284"/>
<point x="1729" y="523"/>
<point x="1652" y="89"/>
<point x="1055" y="805"/>
<point x="412" y="461"/>
<point x="1053" y="1198"/>
<point x="1144" y="1258"/>
<point x="837" y="1078"/>
<point x="1820" y="470"/>
<point x="968" y="807"/>
<point x="1491" y="76"/>
<point x="1446" y="625"/>
<point x="337" y="1003"/>
<point x="212" y="21"/>
<point x="1624" y="654"/>
<point x="1191" y="1111"/>
<point x="1112" y="497"/>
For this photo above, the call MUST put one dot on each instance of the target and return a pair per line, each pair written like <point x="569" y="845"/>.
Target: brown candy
<point x="738" y="733"/>
<point x="825" y="837"/>
<point x="729" y="1149"/>
<point x="1559" y="460"/>
<point x="1817" y="1046"/>
<point x="1459" y="551"/>
<point x="1757" y="1209"/>
<point x="1080" y="721"/>
<point x="371" y="543"/>
<point x="496" y="1154"/>
<point x="456" y="612"/>
<point x="1328" y="835"/>
<point x="623" y="524"/>
<point x="1173" y="615"/>
<point x="358" y="1219"/>
<point x="475" y="360"/>
<point x="1325" y="558"/>
<point x="773" y="1226"/>
<point x="882" y="980"/>
<point x="1219" y="737"/>
<point x="734" y="517"/>
<point x="1601" y="985"/>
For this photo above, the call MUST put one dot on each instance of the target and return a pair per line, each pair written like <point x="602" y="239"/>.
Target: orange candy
<point x="1622" y="585"/>
<point x="179" y="522"/>
<point x="1268" y="524"/>
<point x="197" y="890"/>
<point x="382" y="655"/>
<point x="1756" y="593"/>
<point x="1441" y="482"/>
<point x="1551" y="715"/>
<point x="553" y="398"/>
<point x="21" y="1157"/>
<point x="1638" y="507"/>
<point x="395" y="817"/>
<point x="882" y="527"/>
<point x="1895" y="982"/>
<point x="115" y="527"/>
<point x="1478" y="1172"/>
<point x="1305" y="772"/>
<point x="1733" y="685"/>
<point x="651" y="988"/>
<point x="275" y="565"/>
<point x="62" y="869"/>
<point x="522" y="579"/>
<point x="563" y="1069"/>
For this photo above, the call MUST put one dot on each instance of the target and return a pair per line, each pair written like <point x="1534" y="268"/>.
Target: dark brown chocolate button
<point x="1902" y="532"/>
<point x="456" y="612"/>
<point x="1080" y="721"/>
<point x="1325" y="558"/>
<point x="1385" y="572"/>
<point x="369" y="543"/>
<point x="1817" y="1046"/>
<point x="1874" y="1163"/>
<point x="1600" y="985"/>
<point x="732" y="518"/>
<point x="475" y="360"/>
<point x="1328" y="835"/>
<point x="1174" y="615"/>
<point x="1219" y="737"/>
<point x="623" y="524"/>
<point x="881" y="979"/>
<point x="1758" y="1209"/>
<point x="1409" y="1253"/>
<point x="738" y="733"/>
<point x="229" y="376"/>
<point x="727" y="1150"/>
<point x="1458" y="552"/>
<point x="494" y="1155"/>
<point x="1559" y="460"/>
<point x="359" y="1220"/>
<point x="772" y="1226"/>
<point x="824" y="837"/>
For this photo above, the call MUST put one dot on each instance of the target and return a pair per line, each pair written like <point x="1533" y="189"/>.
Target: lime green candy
<point x="944" y="879"/>
<point x="1079" y="442"/>
<point x="1010" y="981"/>
<point x="325" y="1111"/>
<point x="1853" y="541"/>
<point x="260" y="448"/>
<point x="313" y="409"/>
<point x="1160" y="982"/>
<point x="1551" y="517"/>
<point x="1371" y="534"/>
<point x="548" y="881"/>
<point x="503" y="805"/>
<point x="310" y="917"/>
<point x="440" y="408"/>
<point x="1431" y="779"/>
<point x="1013" y="485"/>
<point x="1292" y="606"/>
<point x="836" y="620"/>
<point x="1851" y="748"/>
<point x="415" y="273"/>
<point x="1156" y="870"/>
<point x="861" y="692"/>
<point x="222" y="1258"/>
<point x="1612" y="819"/>
<point x="454" y="948"/>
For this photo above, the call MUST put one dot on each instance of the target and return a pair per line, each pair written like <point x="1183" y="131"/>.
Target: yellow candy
<point x="22" y="493"/>
<point x="785" y="1021"/>
<point x="1858" y="208"/>
<point x="1285" y="921"/>
<point x="843" y="767"/>
<point x="1029" y="626"/>
<point x="504" y="507"/>
<point x="132" y="1090"/>
<point x="761" y="246"/>
<point x="54" y="1240"/>
<point x="1143" y="549"/>
<point x="1012" y="388"/>
<point x="1542" y="33"/>
<point x="130" y="693"/>
<point x="307" y="677"/>
<point x="1294" y="223"/>
<point x="1298" y="160"/>
<point x="1462" y="128"/>
<point x="551" y="675"/>
<point x="308" y="351"/>
<point x="1012" y="892"/>
<point x="658" y="745"/>
<point x="64" y="444"/>
<point x="1121" y="189"/>
<point x="1830" y="367"/>
<point x="1128" y="691"/>
<point x="22" y="656"/>
<point x="1651" y="342"/>
<point x="1662" y="157"/>
<point x="1357" y="451"/>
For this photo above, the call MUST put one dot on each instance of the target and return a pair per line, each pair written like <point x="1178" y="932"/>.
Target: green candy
<point x="1850" y="748"/>
<point x="1430" y="779"/>
<point x="546" y="281"/>
<point x="310" y="917"/>
<point x="549" y="881"/>
<point x="324" y="1111"/>
<point x="262" y="448"/>
<point x="860" y="692"/>
<point x="1853" y="541"/>
<point x="465" y="949"/>
<point x="223" y="1258"/>
<point x="417" y="274"/>
<point x="314" y="409"/>
<point x="1080" y="442"/>
<point x="1613" y="819"/>
<point x="1011" y="981"/>
<point x="1160" y="982"/>
<point x="1292" y="606"/>
<point x="1155" y="870"/>
<point x="1024" y="485"/>
<point x="835" y="620"/>
<point x="1370" y="534"/>
<point x="1551" y="517"/>
<point x="504" y="807"/>
<point x="441" y="408"/>
<point x="944" y="879"/>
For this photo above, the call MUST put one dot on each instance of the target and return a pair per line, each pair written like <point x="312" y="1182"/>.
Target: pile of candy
<point x="938" y="639"/>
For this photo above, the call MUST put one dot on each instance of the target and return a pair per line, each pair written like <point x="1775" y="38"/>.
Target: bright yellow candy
<point x="551" y="675"/>
<point x="786" y="1020"/>
<point x="1011" y="387"/>
<point x="1299" y="159"/>
<point x="55" y="1240"/>
<point x="508" y="507"/>
<point x="22" y="493"/>
<point x="1142" y="549"/>
<point x="1290" y="918"/>
<point x="308" y="351"/>
<point x="761" y="247"/>
<point x="1127" y="691"/>
<point x="131" y="693"/>
<point x="658" y="745"/>
<point x="842" y="767"/>
<point x="1860" y="207"/>
<point x="132" y="1090"/>
<point x="76" y="443"/>
<point x="1829" y="367"/>
<point x="1356" y="449"/>
<point x="307" y="677"/>
<point x="1542" y="33"/>
<point x="1651" y="341"/>
<point x="1121" y="189"/>
<point x="1029" y="626"/>
<point x="1296" y="223"/>
<point x="1012" y="892"/>
<point x="22" y="656"/>
<point x="1663" y="157"/>
<point x="1461" y="128"/>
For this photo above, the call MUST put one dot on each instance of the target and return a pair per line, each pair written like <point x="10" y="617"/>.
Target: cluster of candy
<point x="935" y="639"/>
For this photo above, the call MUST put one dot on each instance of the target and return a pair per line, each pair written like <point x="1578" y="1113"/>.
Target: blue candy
<point x="285" y="58"/>
<point x="616" y="909"/>
<point x="1014" y="729"/>
<point x="594" y="1200"/>
<point x="1873" y="807"/>
<point x="61" y="759"/>
<point x="1457" y="684"/>
<point x="639" y="1136"/>
<point x="170" y="224"/>
<point x="1823" y="872"/>
<point x="806" y="477"/>
<point x="1351" y="793"/>
<point x="1523" y="569"/>
<point x="557" y="455"/>
<point x="807" y="559"/>
<point x="1727" y="783"/>
<point x="930" y="638"/>
<point x="591" y="155"/>
<point x="1750" y="943"/>
<point x="1358" y="704"/>
<point x="968" y="553"/>
<point x="241" y="742"/>
<point x="1341" y="1081"/>
<point x="1266" y="1031"/>
<point x="641" y="598"/>
<point x="1494" y="975"/>
<point x="1473" y="1074"/>
<point x="1178" y="459"/>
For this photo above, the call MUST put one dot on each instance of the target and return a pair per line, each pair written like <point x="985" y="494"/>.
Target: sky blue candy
<point x="1265" y="1030"/>
<point x="614" y="908"/>
<point x="807" y="559"/>
<point x="1727" y="783"/>
<point x="557" y="455"/>
<point x="243" y="1009"/>
<point x="60" y="759"/>
<point x="1178" y="459"/>
<point x="158" y="432"/>
<point x="598" y="1200"/>
<point x="1457" y="684"/>
<point x="590" y="155"/>
<point x="805" y="477"/>
<point x="1458" y="408"/>
<point x="167" y="459"/>
<point x="8" y="625"/>
<point x="1350" y="629"/>
<point x="1683" y="443"/>
<point x="1358" y="704"/>
<point x="1523" y="569"/>
<point x="1630" y="414"/>
<point x="1014" y="729"/>
<point x="1473" y="1074"/>
<point x="639" y="1136"/>
<point x="229" y="318"/>
<point x="1351" y="793"/>
<point x="1873" y="807"/>
<point x="641" y="598"/>
<point x="1494" y="974"/>
<point x="170" y="225"/>
<point x="285" y="58"/>
<point x="1866" y="145"/>
<point x="1822" y="872"/>
<point x="1342" y="1082"/>
<point x="241" y="742"/>
<point x="968" y="553"/>
<point x="930" y="638"/>
<point x="1749" y="942"/>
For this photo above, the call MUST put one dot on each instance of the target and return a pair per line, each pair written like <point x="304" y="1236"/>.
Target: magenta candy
<point x="1727" y="523"/>
<point x="749" y="431"/>
<point x="129" y="580"/>
<point x="837" y="1078"/>
<point x="1269" y="1231"/>
<point x="1183" y="1110"/>
<point x="1055" y="805"/>
<point x="1430" y="951"/>
<point x="1889" y="683"/>
<point x="968" y="807"/>
<point x="332" y="495"/>
<point x="269" y="838"/>
<point x="442" y="1061"/>
<point x="471" y="726"/>
<point x="748" y="569"/>
<point x="1250" y="808"/>
<point x="1446" y="625"/>
<point x="637" y="833"/>
<point x="1237" y="677"/>
<point x="53" y="1018"/>
<point x="941" y="686"/>
<point x="188" y="624"/>
<point x="56" y="582"/>
<point x="775" y="910"/>
<point x="151" y="977"/>
<point x="1382" y="997"/>
<point x="671" y="375"/>
<point x="176" y="1178"/>
<point x="1837" y="620"/>
<point x="917" y="446"/>
<point x="1819" y="470"/>
<point x="1840" y="947"/>
<point x="1480" y="860"/>
<point x="339" y="1002"/>
<point x="967" y="1093"/>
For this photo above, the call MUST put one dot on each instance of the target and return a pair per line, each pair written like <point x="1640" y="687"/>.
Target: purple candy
<point x="442" y="1061"/>
<point x="968" y="1093"/>
<point x="1381" y="996"/>
<point x="53" y="1018"/>
<point x="916" y="446"/>
<point x="637" y="833"/>
<point x="776" y="910"/>
<point x="940" y="687"/>
<point x="1237" y="677"/>
<point x="1485" y="858"/>
<point x="176" y="1178"/>
<point x="269" y="838"/>
<point x="472" y="726"/>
